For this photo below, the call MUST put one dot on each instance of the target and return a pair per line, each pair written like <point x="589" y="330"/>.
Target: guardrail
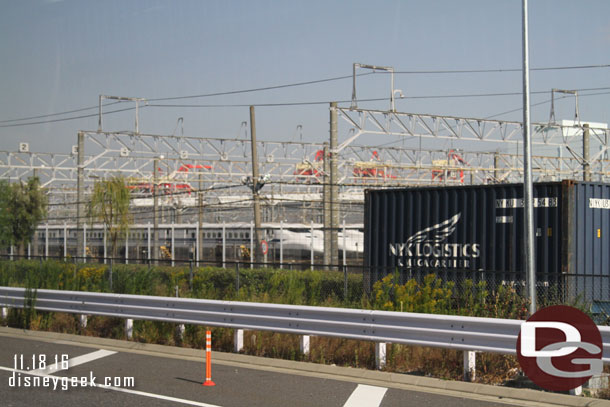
<point x="469" y="334"/>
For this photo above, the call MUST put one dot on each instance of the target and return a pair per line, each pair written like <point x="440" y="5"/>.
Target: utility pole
<point x="334" y="188"/>
<point x="80" y="197"/>
<point x="528" y="188"/>
<point x="326" y="205"/>
<point x="586" y="166"/>
<point x="255" y="196"/>
<point x="155" y="233"/>
<point x="200" y="218"/>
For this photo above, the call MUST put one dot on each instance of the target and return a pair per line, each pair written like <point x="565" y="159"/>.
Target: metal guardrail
<point x="444" y="331"/>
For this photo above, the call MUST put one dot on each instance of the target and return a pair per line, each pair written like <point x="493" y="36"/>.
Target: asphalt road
<point x="164" y="377"/>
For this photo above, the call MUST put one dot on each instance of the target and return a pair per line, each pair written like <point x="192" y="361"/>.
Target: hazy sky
<point x="58" y="56"/>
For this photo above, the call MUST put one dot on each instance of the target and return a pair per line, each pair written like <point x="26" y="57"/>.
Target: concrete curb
<point x="403" y="381"/>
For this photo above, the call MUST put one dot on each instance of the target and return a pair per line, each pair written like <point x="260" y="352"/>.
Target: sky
<point x="60" y="55"/>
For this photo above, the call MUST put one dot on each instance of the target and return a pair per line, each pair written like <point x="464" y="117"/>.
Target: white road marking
<point x="159" y="396"/>
<point x="129" y="391"/>
<point x="366" y="396"/>
<point x="79" y="360"/>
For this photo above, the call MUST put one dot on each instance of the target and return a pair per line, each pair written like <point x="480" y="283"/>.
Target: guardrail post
<point x="470" y="365"/>
<point x="238" y="340"/>
<point x="380" y="355"/>
<point x="577" y="391"/>
<point x="82" y="321"/>
<point x="4" y="312"/>
<point x="180" y="328"/>
<point x="180" y="332"/>
<point x="129" y="328"/>
<point x="304" y="342"/>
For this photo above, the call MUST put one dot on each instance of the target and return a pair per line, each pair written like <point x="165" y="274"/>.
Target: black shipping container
<point x="478" y="232"/>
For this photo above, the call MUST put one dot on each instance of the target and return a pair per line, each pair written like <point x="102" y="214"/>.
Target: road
<point x="164" y="376"/>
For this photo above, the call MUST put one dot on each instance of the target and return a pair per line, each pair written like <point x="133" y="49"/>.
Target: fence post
<point x="311" y="245"/>
<point x="238" y="340"/>
<point x="173" y="245"/>
<point x="148" y="246"/>
<point x="251" y="245"/>
<point x="470" y="365"/>
<point x="84" y="243"/>
<point x="344" y="244"/>
<point x="224" y="244"/>
<point x="127" y="247"/>
<point x="129" y="328"/>
<point x="344" y="282"/>
<point x="110" y="273"/>
<point x="380" y="355"/>
<point x="191" y="276"/>
<point x="197" y="243"/>
<point x="281" y="244"/>
<point x="304" y="344"/>
<point x="180" y="328"/>
<point x="237" y="277"/>
<point x="46" y="241"/>
<point x="106" y="247"/>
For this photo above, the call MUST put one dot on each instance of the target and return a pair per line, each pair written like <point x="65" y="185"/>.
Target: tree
<point x="109" y="205"/>
<point x="5" y="215"/>
<point x="22" y="206"/>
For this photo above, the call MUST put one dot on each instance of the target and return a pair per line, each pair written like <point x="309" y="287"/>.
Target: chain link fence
<point x="482" y="293"/>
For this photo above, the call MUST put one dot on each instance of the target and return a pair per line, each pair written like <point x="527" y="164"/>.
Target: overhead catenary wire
<point x="379" y="99"/>
<point x="282" y="86"/>
<point x="310" y="103"/>
<point x="58" y="113"/>
<point x="304" y="103"/>
<point x="65" y="118"/>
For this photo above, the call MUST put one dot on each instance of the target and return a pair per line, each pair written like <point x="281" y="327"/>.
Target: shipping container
<point x="477" y="232"/>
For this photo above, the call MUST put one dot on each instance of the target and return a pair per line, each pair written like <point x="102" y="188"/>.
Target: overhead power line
<point x="318" y="102"/>
<point x="312" y="103"/>
<point x="304" y="83"/>
<point x="65" y="119"/>
<point x="56" y="114"/>
<point x="465" y="71"/>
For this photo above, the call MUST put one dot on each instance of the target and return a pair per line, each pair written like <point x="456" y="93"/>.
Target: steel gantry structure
<point x="428" y="149"/>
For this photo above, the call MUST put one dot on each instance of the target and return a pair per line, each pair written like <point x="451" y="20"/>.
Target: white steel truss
<point x="475" y="151"/>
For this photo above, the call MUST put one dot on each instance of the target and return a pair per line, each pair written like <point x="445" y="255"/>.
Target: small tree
<point x="22" y="206"/>
<point x="109" y="205"/>
<point x="5" y="215"/>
